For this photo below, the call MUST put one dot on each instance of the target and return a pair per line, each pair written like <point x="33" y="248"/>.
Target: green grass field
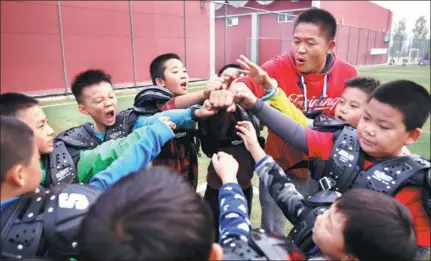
<point x="65" y="116"/>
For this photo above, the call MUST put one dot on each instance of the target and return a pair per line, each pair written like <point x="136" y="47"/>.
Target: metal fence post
<point x="132" y="36"/>
<point x="63" y="58"/>
<point x="185" y="33"/>
<point x="357" y="48"/>
<point x="225" y="34"/>
<point x="366" y="49"/>
<point x="374" y="46"/>
<point x="348" y="44"/>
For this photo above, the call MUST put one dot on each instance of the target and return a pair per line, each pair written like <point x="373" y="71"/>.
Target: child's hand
<point x="226" y="167"/>
<point x="255" y="72"/>
<point x="167" y="121"/>
<point x="248" y="134"/>
<point x="214" y="83"/>
<point x="244" y="97"/>
<point x="222" y="99"/>
<point x="207" y="110"/>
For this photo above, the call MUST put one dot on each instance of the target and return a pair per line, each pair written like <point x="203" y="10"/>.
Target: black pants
<point x="211" y="196"/>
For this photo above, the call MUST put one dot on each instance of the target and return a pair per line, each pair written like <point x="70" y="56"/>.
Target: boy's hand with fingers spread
<point x="248" y="134"/>
<point x="167" y="121"/>
<point x="226" y="167"/>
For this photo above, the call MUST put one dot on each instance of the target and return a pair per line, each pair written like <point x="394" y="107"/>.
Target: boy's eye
<point x="384" y="127"/>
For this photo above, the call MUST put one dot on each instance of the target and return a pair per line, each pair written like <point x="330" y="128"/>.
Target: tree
<point x="399" y="38"/>
<point x="420" y="33"/>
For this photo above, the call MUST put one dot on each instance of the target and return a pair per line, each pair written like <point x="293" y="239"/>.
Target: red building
<point x="362" y="27"/>
<point x="44" y="44"/>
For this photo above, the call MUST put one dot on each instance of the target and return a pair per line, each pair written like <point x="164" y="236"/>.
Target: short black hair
<point x="11" y="103"/>
<point x="151" y="215"/>
<point x="88" y="78"/>
<point x="410" y="98"/>
<point x="378" y="227"/>
<point x="227" y="66"/>
<point x="365" y="84"/>
<point x="157" y="66"/>
<point x="322" y="18"/>
<point x="14" y="149"/>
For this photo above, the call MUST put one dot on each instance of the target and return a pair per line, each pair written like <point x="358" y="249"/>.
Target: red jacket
<point x="283" y="69"/>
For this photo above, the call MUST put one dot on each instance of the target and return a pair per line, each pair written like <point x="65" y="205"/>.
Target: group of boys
<point x="154" y="214"/>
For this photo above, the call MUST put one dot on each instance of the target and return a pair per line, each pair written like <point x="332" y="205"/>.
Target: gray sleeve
<point x="422" y="252"/>
<point x="286" y="128"/>
<point x="280" y="187"/>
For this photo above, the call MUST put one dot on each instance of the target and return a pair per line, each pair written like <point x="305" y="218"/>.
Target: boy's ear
<point x="15" y="175"/>
<point x="331" y="46"/>
<point x="160" y="82"/>
<point x="413" y="136"/>
<point x="216" y="252"/>
<point x="82" y="109"/>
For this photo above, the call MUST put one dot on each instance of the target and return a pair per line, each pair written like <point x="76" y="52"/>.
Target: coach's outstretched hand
<point x="255" y="72"/>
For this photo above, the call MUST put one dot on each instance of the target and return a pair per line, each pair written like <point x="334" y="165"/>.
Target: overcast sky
<point x="410" y="10"/>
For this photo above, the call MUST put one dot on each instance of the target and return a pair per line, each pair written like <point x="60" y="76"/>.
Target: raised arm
<point x="137" y="157"/>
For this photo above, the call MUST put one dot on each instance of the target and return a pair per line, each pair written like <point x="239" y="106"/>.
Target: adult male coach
<point x="313" y="78"/>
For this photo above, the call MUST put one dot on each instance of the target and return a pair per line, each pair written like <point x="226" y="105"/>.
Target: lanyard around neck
<point x="304" y="90"/>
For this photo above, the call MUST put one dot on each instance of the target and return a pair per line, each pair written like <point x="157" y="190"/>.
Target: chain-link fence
<point x="408" y="50"/>
<point x="261" y="35"/>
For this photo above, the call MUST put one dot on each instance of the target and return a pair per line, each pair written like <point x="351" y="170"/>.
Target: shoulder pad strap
<point x="148" y="100"/>
<point x="328" y="125"/>
<point x="79" y="137"/>
<point x="313" y="114"/>
<point x="324" y="197"/>
<point x="301" y="233"/>
<point x="246" y="115"/>
<point x="66" y="207"/>
<point x="62" y="168"/>
<point x="388" y="176"/>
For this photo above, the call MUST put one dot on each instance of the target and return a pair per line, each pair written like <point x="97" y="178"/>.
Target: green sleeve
<point x="93" y="161"/>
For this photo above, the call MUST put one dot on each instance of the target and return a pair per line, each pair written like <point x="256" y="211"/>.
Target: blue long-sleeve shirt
<point x="137" y="157"/>
<point x="181" y="117"/>
<point x="234" y="219"/>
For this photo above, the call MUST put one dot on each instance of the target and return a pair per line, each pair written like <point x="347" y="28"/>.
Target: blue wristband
<point x="269" y="94"/>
